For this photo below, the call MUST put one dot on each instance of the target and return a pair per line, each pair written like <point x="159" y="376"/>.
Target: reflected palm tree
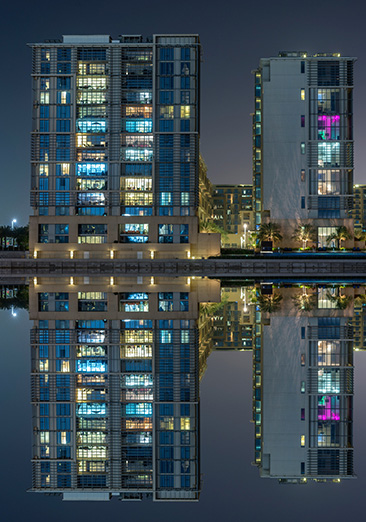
<point x="341" y="301"/>
<point x="304" y="301"/>
<point x="269" y="303"/>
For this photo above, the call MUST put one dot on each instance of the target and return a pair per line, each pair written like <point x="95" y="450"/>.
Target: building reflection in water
<point x="116" y="369"/>
<point x="115" y="387"/>
<point x="303" y="382"/>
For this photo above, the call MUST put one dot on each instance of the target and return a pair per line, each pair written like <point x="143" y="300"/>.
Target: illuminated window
<point x="43" y="365"/>
<point x="329" y="182"/>
<point x="328" y="127"/>
<point x="303" y="148"/>
<point x="138" y="125"/>
<point x="90" y="140"/>
<point x="167" y="111"/>
<point x="92" y="83"/>
<point x="185" y="111"/>
<point x="302" y="441"/>
<point x="91" y="184"/>
<point x="167" y="423"/>
<point x="141" y="111"/>
<point x="302" y="94"/>
<point x="139" y="141"/>
<point x="44" y="98"/>
<point x="329" y="353"/>
<point x="44" y="437"/>
<point x="185" y="423"/>
<point x="91" y="169"/>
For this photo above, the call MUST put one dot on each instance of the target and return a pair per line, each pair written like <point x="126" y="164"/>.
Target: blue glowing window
<point x="91" y="409"/>
<point x="91" y="366"/>
<point x="141" y="409"/>
<point x="144" y="125"/>
<point x="91" y="125"/>
<point x="91" y="169"/>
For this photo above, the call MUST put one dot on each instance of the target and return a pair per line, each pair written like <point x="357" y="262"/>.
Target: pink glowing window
<point x="328" y="127"/>
<point x="328" y="408"/>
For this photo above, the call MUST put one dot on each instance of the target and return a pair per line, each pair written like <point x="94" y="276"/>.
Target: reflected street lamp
<point x="13" y="313"/>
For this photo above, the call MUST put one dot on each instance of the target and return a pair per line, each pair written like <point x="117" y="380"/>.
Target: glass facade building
<point x="115" y="146"/>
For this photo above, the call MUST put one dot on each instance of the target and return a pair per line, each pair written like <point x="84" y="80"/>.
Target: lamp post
<point x="12" y="223"/>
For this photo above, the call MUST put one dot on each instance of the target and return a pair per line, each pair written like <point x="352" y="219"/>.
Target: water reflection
<point x="115" y="387"/>
<point x="116" y="367"/>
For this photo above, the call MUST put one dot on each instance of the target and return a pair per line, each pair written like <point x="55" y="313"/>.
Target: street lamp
<point x="245" y="234"/>
<point x="12" y="223"/>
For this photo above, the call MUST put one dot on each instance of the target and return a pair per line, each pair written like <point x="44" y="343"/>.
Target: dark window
<point x="302" y="201"/>
<point x="302" y="120"/>
<point x="328" y="72"/>
<point x="302" y="67"/>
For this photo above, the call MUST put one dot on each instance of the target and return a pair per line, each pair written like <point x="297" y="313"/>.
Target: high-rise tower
<point x="115" y="147"/>
<point x="303" y="142"/>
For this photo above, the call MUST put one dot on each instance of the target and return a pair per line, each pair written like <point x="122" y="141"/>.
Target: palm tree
<point x="304" y="233"/>
<point x="360" y="235"/>
<point x="360" y="300"/>
<point x="341" y="301"/>
<point x="304" y="301"/>
<point x="210" y="226"/>
<point x="269" y="232"/>
<point x="341" y="234"/>
<point x="269" y="303"/>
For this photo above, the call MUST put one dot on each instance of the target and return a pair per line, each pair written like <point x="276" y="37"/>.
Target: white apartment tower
<point x="303" y="142"/>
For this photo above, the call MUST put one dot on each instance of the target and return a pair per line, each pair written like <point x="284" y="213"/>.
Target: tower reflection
<point x="116" y="367"/>
<point x="115" y="387"/>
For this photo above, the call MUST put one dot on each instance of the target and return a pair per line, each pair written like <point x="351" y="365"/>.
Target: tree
<point x="304" y="232"/>
<point x="341" y="301"/>
<point x="304" y="301"/>
<point x="360" y="235"/>
<point x="269" y="303"/>
<point x="210" y="226"/>
<point x="341" y="234"/>
<point x="269" y="232"/>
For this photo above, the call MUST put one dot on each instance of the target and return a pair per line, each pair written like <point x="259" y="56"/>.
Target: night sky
<point x="234" y="35"/>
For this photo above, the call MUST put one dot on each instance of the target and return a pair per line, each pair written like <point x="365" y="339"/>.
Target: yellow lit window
<point x="185" y="111"/>
<point x="43" y="365"/>
<point x="139" y="112"/>
<point x="141" y="199"/>
<point x="65" y="366"/>
<point x="63" y="97"/>
<point x="144" y="184"/>
<point x="63" y="437"/>
<point x="44" y="437"/>
<point x="302" y="94"/>
<point x="302" y="441"/>
<point x="44" y="98"/>
<point x="185" y="423"/>
<point x="167" y="423"/>
<point x="167" y="111"/>
<point x="63" y="169"/>
<point x="43" y="170"/>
